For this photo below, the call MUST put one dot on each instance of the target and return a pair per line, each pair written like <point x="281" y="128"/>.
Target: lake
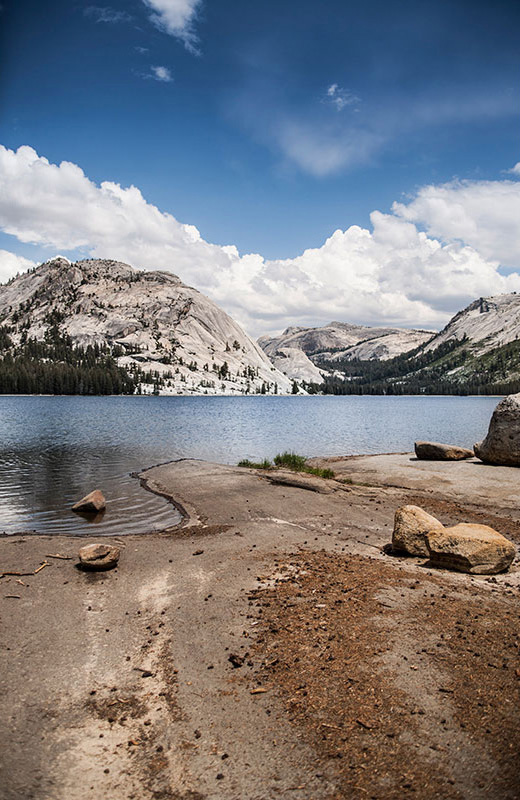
<point x="54" y="450"/>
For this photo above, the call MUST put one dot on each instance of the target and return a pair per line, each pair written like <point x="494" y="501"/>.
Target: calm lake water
<point x="53" y="450"/>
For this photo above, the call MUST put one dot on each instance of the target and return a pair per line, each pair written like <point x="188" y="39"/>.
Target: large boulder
<point x="90" y="504"/>
<point x="472" y="548"/>
<point x="435" y="451"/>
<point x="98" y="556"/>
<point x="502" y="443"/>
<point x="411" y="526"/>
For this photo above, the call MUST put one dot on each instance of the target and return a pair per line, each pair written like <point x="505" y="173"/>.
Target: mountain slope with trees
<point x="102" y="327"/>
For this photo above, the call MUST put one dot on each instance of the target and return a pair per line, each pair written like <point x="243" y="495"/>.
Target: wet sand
<point x="119" y="684"/>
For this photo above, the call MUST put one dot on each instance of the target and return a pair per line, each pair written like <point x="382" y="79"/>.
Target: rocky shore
<point x="271" y="646"/>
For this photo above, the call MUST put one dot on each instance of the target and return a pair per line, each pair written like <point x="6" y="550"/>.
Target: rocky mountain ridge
<point x="477" y="351"/>
<point x="176" y="340"/>
<point x="488" y="322"/>
<point x="301" y="353"/>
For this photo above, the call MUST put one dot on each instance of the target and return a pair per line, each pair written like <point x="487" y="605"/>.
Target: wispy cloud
<point x="142" y="50"/>
<point x="177" y="18"/>
<point x="322" y="149"/>
<point x="340" y="98"/>
<point x="307" y="135"/>
<point x="106" y="14"/>
<point x="162" y="74"/>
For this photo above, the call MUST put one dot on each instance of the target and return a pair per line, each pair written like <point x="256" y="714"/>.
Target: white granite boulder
<point x="411" y="526"/>
<point x="502" y="443"/>
<point x="472" y="548"/>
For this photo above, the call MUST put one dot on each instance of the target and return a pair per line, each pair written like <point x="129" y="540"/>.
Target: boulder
<point x="468" y="547"/>
<point x="435" y="451"/>
<point x="502" y="443"/>
<point x="91" y="503"/>
<point x="411" y="525"/>
<point x="99" y="556"/>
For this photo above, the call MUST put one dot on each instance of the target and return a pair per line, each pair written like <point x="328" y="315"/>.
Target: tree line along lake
<point x="53" y="450"/>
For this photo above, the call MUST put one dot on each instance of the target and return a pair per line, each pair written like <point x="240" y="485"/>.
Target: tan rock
<point x="468" y="547"/>
<point x="91" y="503"/>
<point x="411" y="525"/>
<point x="300" y="481"/>
<point x="99" y="556"/>
<point x="502" y="443"/>
<point x="435" y="451"/>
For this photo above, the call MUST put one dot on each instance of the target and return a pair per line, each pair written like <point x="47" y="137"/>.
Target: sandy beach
<point x="268" y="647"/>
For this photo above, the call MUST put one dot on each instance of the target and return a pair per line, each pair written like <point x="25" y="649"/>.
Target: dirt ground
<point x="270" y="647"/>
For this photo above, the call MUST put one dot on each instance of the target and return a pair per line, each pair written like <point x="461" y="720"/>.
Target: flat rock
<point x="472" y="548"/>
<point x="300" y="481"/>
<point x="90" y="504"/>
<point x="411" y="526"/>
<point x="99" y="556"/>
<point x="502" y="443"/>
<point x="436" y="451"/>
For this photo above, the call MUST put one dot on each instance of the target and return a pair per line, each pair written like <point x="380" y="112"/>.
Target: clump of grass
<point x="290" y="461"/>
<point x="265" y="464"/>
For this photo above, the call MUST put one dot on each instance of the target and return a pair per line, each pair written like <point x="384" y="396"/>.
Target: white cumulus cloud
<point x="393" y="273"/>
<point x="11" y="264"/>
<point x="483" y="214"/>
<point x="176" y="18"/>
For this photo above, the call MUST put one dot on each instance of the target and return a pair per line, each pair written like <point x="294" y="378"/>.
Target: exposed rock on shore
<point x="99" y="556"/>
<point x="502" y="443"/>
<point x="468" y="547"/>
<point x="411" y="526"/>
<point x="435" y="451"/>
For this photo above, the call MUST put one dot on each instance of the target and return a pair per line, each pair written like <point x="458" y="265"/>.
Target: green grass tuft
<point x="265" y="464"/>
<point x="290" y="461"/>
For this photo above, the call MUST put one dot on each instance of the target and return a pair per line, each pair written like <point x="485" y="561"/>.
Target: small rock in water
<point x="435" y="451"/>
<point x="469" y="547"/>
<point x="99" y="556"/>
<point x="90" y="504"/>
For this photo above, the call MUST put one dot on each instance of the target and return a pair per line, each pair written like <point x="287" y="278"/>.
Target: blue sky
<point x="270" y="125"/>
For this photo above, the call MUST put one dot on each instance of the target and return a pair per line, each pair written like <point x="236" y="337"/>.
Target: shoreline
<point x="241" y="575"/>
<point x="224" y="394"/>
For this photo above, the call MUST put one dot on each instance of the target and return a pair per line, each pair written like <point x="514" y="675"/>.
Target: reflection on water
<point x="54" y="450"/>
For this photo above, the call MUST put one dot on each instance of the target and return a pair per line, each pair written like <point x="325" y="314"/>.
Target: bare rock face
<point x="502" y="443"/>
<point x="298" y="352"/>
<point x="90" y="504"/>
<point x="99" y="556"/>
<point x="467" y="547"/>
<point x="149" y="321"/>
<point x="435" y="451"/>
<point x="411" y="525"/>
<point x="300" y="481"/>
